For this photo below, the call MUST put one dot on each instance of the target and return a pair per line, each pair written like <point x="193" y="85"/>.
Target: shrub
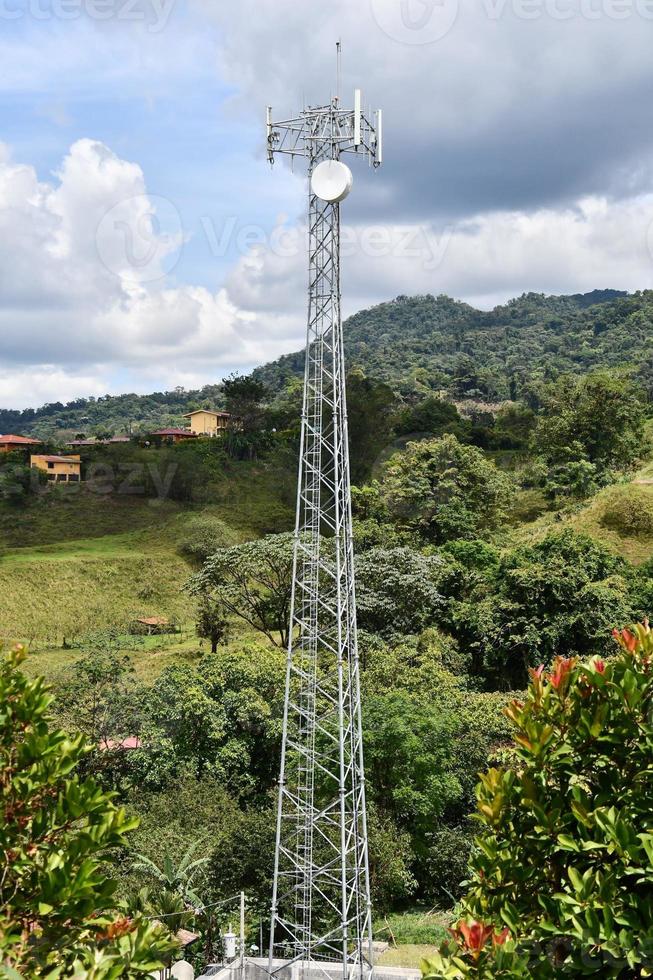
<point x="204" y="535"/>
<point x="442" y="863"/>
<point x="629" y="511"/>
<point x="59" y="916"/>
<point x="562" y="877"/>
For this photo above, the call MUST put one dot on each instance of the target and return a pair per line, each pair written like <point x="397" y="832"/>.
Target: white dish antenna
<point x="332" y="181"/>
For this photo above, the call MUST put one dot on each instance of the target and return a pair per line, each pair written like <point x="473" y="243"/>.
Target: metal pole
<point x="242" y="934"/>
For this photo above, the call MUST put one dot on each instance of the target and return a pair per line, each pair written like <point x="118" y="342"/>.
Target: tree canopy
<point x="444" y="490"/>
<point x="599" y="416"/>
<point x="252" y="581"/>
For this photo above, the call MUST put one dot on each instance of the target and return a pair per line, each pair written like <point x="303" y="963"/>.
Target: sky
<point x="146" y="243"/>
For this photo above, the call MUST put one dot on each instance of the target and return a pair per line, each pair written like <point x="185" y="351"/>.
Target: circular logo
<point x="415" y="21"/>
<point x="140" y="239"/>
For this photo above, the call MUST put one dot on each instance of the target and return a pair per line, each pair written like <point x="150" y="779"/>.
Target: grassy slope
<point x="587" y="518"/>
<point x="47" y="598"/>
<point x="75" y="562"/>
<point x="532" y="520"/>
<point x="61" y="515"/>
<point x="148" y="658"/>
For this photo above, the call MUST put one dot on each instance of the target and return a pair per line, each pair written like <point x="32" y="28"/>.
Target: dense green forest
<point x="421" y="344"/>
<point x="417" y="345"/>
<point x="503" y="524"/>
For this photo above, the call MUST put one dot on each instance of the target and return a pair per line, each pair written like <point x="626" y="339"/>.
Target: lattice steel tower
<point x="321" y="896"/>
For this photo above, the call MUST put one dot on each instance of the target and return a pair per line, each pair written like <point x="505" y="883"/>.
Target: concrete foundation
<point x="256" y="968"/>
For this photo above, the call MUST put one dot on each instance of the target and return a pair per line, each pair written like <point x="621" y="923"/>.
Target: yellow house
<point x="60" y="469"/>
<point x="206" y="423"/>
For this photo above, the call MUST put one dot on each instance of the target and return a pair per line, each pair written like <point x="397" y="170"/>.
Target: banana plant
<point x="177" y="876"/>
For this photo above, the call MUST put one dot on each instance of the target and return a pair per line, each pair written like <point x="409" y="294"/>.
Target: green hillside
<point x="426" y="343"/>
<point x="417" y="344"/>
<point x="73" y="561"/>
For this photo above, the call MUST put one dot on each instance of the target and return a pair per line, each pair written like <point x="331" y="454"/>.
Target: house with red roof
<point x="9" y="443"/>
<point x="174" y="435"/>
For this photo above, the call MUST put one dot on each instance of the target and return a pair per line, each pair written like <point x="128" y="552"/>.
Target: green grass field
<point x="60" y="515"/>
<point x="65" y="588"/>
<point x="148" y="659"/>
<point x="412" y="936"/>
<point x="73" y="561"/>
<point x="47" y="598"/>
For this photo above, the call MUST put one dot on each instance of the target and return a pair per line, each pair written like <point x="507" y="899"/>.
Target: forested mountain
<point x="426" y="343"/>
<point x="417" y="344"/>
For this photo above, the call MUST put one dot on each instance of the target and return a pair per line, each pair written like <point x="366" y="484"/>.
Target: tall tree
<point x="252" y="581"/>
<point x="445" y="490"/>
<point x="371" y="409"/>
<point x="212" y="624"/>
<point x="244" y="396"/>
<point x="602" y="413"/>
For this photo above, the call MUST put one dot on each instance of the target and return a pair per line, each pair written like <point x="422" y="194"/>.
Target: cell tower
<point x="321" y="908"/>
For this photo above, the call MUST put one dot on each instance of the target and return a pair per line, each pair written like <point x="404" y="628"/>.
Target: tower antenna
<point x="338" y="69"/>
<point x="321" y="908"/>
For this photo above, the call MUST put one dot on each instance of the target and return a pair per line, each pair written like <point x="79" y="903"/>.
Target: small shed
<point x="152" y="625"/>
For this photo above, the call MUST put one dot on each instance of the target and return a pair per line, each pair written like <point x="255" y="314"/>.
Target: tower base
<point x="256" y="968"/>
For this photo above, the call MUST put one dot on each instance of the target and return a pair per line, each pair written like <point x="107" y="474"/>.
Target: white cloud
<point x="33" y="386"/>
<point x="84" y="288"/>
<point x="485" y="260"/>
<point x="88" y="302"/>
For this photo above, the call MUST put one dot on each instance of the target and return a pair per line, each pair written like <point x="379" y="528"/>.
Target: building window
<point x="61" y="477"/>
<point x="52" y="477"/>
<point x="50" y="466"/>
<point x="73" y="478"/>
